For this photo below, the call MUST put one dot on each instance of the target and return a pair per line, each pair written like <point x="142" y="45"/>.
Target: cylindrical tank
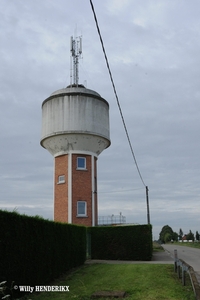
<point x="75" y="119"/>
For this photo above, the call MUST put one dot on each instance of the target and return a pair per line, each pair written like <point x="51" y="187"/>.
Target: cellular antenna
<point x="76" y="51"/>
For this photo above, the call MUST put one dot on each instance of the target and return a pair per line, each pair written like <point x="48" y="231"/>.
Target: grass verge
<point x="140" y="281"/>
<point x="157" y="247"/>
<point x="193" y="244"/>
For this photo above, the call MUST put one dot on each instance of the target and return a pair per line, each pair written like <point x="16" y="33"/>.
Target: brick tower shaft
<point x="75" y="189"/>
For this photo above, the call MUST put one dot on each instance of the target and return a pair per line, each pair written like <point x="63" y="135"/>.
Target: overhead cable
<point x="115" y="92"/>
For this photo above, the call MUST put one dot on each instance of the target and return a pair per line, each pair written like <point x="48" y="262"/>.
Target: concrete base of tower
<point x="75" y="189"/>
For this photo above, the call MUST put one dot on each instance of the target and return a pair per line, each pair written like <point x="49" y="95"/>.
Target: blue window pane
<point x="81" y="208"/>
<point x="81" y="162"/>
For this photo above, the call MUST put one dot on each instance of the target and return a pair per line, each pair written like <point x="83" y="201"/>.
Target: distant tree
<point x="175" y="236"/>
<point x="190" y="236"/>
<point x="180" y="234"/>
<point x="197" y="236"/>
<point x="167" y="237"/>
<point x="166" y="234"/>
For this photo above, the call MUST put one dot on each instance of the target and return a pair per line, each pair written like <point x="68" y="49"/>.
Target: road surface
<point x="190" y="255"/>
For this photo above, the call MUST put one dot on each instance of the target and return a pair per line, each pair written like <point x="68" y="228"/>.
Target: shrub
<point x="122" y="242"/>
<point x="34" y="251"/>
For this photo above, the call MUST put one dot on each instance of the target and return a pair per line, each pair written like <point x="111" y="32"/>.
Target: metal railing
<point x="181" y="267"/>
<point x="111" y="220"/>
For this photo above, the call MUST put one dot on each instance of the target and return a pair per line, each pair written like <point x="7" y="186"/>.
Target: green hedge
<point x="34" y="251"/>
<point x="121" y="242"/>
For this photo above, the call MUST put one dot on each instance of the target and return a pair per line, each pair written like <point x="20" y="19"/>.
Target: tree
<point x="180" y="234"/>
<point x="190" y="236"/>
<point x="167" y="237"/>
<point x="197" y="236"/>
<point x="166" y="234"/>
<point x="175" y="236"/>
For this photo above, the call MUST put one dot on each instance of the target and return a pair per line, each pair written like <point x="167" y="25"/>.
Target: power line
<point x="115" y="92"/>
<point x="122" y="191"/>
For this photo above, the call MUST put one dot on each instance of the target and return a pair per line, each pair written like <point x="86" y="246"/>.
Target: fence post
<point x="175" y="260"/>
<point x="183" y="275"/>
<point x="179" y="271"/>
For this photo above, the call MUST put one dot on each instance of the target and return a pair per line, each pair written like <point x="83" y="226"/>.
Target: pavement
<point x="162" y="257"/>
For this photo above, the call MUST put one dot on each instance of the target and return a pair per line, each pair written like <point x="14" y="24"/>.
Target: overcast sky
<point x="153" y="47"/>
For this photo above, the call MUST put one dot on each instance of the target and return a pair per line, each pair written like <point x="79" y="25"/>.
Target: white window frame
<point x="85" y="208"/>
<point x="81" y="168"/>
<point x="61" y="179"/>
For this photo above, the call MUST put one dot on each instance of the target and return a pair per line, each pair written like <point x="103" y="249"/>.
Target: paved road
<point x="190" y="255"/>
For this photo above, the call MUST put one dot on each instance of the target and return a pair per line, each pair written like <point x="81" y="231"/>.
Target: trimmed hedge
<point x="34" y="251"/>
<point x="121" y="242"/>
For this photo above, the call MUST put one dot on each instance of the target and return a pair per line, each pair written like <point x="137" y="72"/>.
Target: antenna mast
<point x="76" y="51"/>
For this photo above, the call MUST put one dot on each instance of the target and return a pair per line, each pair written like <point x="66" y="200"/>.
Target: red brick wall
<point x="81" y="189"/>
<point x="61" y="190"/>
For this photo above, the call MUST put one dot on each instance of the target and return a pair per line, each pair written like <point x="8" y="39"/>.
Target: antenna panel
<point x="80" y="46"/>
<point x="71" y="43"/>
<point x="76" y="50"/>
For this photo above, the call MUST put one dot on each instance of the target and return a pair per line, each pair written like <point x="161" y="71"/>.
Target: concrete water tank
<point x="75" y="118"/>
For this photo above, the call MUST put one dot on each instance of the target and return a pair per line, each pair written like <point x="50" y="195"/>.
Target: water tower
<point x="75" y="130"/>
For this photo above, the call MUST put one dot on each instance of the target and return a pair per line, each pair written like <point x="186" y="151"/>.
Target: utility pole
<point x="147" y="198"/>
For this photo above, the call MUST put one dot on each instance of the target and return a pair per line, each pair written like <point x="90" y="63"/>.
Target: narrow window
<point x="61" y="179"/>
<point x="81" y="163"/>
<point x="81" y="209"/>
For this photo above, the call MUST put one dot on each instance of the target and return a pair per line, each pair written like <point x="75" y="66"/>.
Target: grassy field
<point x="193" y="245"/>
<point x="139" y="281"/>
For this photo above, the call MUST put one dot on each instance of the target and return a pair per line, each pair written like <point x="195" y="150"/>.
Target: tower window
<point x="81" y="209"/>
<point x="81" y="163"/>
<point x="61" y="179"/>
